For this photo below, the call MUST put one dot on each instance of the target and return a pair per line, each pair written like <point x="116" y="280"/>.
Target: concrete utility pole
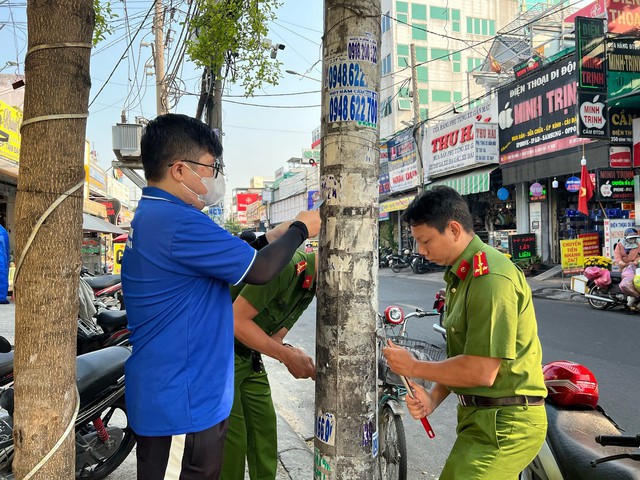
<point x="416" y="117"/>
<point x="158" y="57"/>
<point x="346" y="394"/>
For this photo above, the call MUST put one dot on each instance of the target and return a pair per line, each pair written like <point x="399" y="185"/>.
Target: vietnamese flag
<point x="586" y="189"/>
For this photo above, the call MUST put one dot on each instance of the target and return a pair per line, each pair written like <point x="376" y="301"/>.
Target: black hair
<point x="172" y="137"/>
<point x="437" y="207"/>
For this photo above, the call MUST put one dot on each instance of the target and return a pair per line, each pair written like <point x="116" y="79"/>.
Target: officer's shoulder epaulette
<point x="480" y="264"/>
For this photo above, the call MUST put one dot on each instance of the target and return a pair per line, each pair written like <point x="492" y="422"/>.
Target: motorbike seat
<point x="112" y="320"/>
<point x="6" y="366"/>
<point x="571" y="435"/>
<point x="616" y="276"/>
<point x="102" y="281"/>
<point x="98" y="370"/>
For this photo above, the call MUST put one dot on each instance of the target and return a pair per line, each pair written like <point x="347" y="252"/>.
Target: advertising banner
<point x="113" y="207"/>
<point x="537" y="114"/>
<point x="590" y="244"/>
<point x="522" y="246"/>
<point x="118" y="251"/>
<point x="620" y="157"/>
<point x="10" y="121"/>
<point x="623" y="66"/>
<point x="613" y="233"/>
<point x="615" y="184"/>
<point x="384" y="186"/>
<point x="403" y="171"/>
<point x="623" y="15"/>
<point x="464" y="141"/>
<point x="590" y="54"/>
<point x="572" y="255"/>
<point x="242" y="200"/>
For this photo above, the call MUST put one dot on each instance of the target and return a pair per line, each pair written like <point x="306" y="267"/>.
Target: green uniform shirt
<point x="281" y="302"/>
<point x="492" y="315"/>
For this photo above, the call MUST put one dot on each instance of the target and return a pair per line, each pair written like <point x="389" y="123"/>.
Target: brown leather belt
<point x="477" y="401"/>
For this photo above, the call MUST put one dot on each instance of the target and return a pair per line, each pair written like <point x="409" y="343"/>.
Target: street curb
<point x="294" y="454"/>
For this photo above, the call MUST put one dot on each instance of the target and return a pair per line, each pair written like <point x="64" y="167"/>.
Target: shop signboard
<point x="623" y="15"/>
<point x="614" y="184"/>
<point x="572" y="184"/>
<point x="590" y="54"/>
<point x="118" y="252"/>
<point x="592" y="116"/>
<point x="403" y="170"/>
<point x="522" y="246"/>
<point x="463" y="141"/>
<point x="242" y="200"/>
<point x="396" y="204"/>
<point x="623" y="66"/>
<point x="113" y="207"/>
<point x="537" y="114"/>
<point x="613" y="233"/>
<point x="620" y="157"/>
<point x="594" y="9"/>
<point x="528" y="66"/>
<point x="621" y="124"/>
<point x="384" y="186"/>
<point x="590" y="244"/>
<point x="572" y="255"/>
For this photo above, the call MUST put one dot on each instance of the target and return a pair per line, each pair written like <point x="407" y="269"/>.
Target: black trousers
<point x="191" y="456"/>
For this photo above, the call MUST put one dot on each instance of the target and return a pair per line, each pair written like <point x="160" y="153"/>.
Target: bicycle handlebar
<point x="619" y="440"/>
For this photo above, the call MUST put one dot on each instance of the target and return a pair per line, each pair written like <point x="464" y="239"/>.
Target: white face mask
<point x="215" y="188"/>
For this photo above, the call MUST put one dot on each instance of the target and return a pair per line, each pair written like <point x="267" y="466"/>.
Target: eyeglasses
<point x="217" y="167"/>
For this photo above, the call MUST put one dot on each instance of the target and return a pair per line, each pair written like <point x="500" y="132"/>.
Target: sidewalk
<point x="294" y="453"/>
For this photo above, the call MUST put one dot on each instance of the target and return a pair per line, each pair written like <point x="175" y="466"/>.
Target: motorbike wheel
<point x="597" y="304"/>
<point x="392" y="457"/>
<point x="395" y="266"/>
<point x="103" y="458"/>
<point x="528" y="474"/>
<point x="415" y="268"/>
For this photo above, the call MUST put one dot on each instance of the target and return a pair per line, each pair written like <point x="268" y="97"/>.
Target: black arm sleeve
<point x="274" y="257"/>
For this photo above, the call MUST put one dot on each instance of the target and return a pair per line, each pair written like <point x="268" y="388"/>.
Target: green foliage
<point x="387" y="238"/>
<point x="232" y="32"/>
<point x="103" y="15"/>
<point x="232" y="227"/>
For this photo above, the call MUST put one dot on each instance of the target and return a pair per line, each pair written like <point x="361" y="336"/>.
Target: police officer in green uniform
<point x="494" y="363"/>
<point x="263" y="314"/>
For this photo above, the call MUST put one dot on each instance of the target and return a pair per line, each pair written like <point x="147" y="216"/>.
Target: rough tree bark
<point x="51" y="162"/>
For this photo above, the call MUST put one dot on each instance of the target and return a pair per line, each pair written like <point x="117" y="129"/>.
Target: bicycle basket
<point x="420" y="349"/>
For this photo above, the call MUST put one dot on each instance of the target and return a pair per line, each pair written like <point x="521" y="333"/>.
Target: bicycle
<point x="392" y="453"/>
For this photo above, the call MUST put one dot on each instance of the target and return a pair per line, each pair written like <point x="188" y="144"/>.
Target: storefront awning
<point x="95" y="224"/>
<point x="476" y="181"/>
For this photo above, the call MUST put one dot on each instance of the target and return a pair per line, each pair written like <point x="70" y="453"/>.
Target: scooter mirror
<point x="5" y="346"/>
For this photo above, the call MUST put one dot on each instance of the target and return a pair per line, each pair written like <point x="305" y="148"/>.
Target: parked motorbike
<point x="398" y="262"/>
<point x="439" y="306"/>
<point x="601" y="298"/>
<point x="103" y="437"/>
<point x="384" y="257"/>
<point x="577" y="436"/>
<point x="99" y="327"/>
<point x="420" y="265"/>
<point x="106" y="288"/>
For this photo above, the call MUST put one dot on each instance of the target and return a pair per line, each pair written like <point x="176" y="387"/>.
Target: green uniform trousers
<point x="495" y="443"/>
<point x="252" y="431"/>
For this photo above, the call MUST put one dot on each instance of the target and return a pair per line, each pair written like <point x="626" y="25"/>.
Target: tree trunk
<point x="346" y="395"/>
<point x="46" y="287"/>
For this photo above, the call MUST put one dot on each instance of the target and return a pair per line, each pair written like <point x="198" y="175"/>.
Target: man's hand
<point x="422" y="404"/>
<point x="299" y="364"/>
<point x="400" y="360"/>
<point x="311" y="218"/>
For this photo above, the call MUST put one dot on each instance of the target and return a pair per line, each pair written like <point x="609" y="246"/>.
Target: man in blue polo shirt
<point x="176" y="272"/>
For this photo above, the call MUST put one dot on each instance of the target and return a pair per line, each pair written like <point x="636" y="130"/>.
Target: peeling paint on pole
<point x="347" y="276"/>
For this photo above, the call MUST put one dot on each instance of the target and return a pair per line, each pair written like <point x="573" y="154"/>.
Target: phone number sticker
<point x="348" y="74"/>
<point x="354" y="105"/>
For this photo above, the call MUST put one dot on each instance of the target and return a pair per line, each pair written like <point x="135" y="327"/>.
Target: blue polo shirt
<point x="176" y="271"/>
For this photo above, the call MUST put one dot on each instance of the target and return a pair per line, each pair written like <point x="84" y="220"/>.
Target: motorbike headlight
<point x="394" y="315"/>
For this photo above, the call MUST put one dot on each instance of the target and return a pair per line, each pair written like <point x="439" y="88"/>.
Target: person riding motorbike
<point x="627" y="253"/>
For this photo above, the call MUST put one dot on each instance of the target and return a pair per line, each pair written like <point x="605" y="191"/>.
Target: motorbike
<point x="421" y="265"/>
<point x="601" y="298"/>
<point x="439" y="306"/>
<point x="576" y="441"/>
<point x="398" y="262"/>
<point x="384" y="257"/>
<point x="103" y="436"/>
<point x="106" y="288"/>
<point x="99" y="326"/>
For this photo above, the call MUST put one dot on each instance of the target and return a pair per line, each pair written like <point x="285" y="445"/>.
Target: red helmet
<point x="570" y="384"/>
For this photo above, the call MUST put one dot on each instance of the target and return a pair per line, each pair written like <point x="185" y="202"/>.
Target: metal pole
<point x="416" y="118"/>
<point x="346" y="394"/>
